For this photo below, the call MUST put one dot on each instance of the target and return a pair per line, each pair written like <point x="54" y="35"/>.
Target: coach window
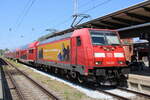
<point x="78" y="41"/>
<point x="31" y="51"/>
<point x="17" y="53"/>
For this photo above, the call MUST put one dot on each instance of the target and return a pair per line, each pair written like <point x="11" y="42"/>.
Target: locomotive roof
<point x="55" y="38"/>
<point x="32" y="45"/>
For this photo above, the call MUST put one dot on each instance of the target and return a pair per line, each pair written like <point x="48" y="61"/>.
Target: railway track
<point x="118" y="97"/>
<point x="136" y="96"/>
<point x="146" y="96"/>
<point x="25" y="92"/>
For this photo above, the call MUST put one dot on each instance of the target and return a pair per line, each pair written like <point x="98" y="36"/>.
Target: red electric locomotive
<point x="85" y="54"/>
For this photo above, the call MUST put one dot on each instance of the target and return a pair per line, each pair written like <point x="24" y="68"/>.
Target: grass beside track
<point x="60" y="89"/>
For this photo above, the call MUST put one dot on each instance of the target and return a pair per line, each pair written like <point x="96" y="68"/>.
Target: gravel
<point x="89" y="92"/>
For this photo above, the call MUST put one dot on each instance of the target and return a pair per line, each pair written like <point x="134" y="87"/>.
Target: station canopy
<point x="130" y="22"/>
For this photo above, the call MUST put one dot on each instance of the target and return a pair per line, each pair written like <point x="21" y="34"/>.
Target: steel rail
<point x="114" y="95"/>
<point x="135" y="92"/>
<point x="99" y="90"/>
<point x="35" y="82"/>
<point x="14" y="83"/>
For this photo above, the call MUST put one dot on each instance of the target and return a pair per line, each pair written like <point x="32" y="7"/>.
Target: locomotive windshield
<point x="104" y="38"/>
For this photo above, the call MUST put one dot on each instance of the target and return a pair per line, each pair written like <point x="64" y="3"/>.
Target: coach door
<point x="77" y="53"/>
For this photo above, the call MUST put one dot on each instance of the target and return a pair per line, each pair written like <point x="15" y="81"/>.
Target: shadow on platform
<point x="145" y="71"/>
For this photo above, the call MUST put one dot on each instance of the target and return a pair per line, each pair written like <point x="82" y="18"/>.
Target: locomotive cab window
<point x="78" y="39"/>
<point x="104" y="38"/>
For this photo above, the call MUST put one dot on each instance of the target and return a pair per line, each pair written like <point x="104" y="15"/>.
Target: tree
<point x="3" y="51"/>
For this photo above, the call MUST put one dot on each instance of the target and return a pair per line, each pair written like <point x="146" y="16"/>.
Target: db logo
<point x="109" y="54"/>
<point x="111" y="62"/>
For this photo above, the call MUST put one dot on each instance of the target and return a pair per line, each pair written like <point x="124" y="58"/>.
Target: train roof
<point x="59" y="37"/>
<point x="30" y="45"/>
<point x="63" y="35"/>
<point x="33" y="44"/>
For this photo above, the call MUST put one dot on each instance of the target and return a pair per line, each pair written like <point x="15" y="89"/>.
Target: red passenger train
<point x="85" y="54"/>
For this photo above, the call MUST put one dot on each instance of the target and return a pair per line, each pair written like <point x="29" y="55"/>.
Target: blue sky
<point x="45" y="14"/>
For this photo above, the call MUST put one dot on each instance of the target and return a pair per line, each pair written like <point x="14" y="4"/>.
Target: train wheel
<point x="62" y="72"/>
<point x="45" y="69"/>
<point x="56" y="70"/>
<point x="68" y="77"/>
<point x="49" y="69"/>
<point x="73" y="74"/>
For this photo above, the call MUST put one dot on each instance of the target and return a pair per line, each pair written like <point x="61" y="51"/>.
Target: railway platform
<point x="1" y="90"/>
<point x="4" y="89"/>
<point x="140" y="80"/>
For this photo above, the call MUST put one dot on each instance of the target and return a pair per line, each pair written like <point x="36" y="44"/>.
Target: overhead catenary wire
<point x="26" y="10"/>
<point x="79" y="17"/>
<point x="57" y="25"/>
<point x="63" y="22"/>
<point x="25" y="13"/>
<point x="100" y="4"/>
<point x="85" y="4"/>
<point x="69" y="18"/>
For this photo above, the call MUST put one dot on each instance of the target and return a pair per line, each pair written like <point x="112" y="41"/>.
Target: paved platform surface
<point x="140" y="80"/>
<point x="142" y="76"/>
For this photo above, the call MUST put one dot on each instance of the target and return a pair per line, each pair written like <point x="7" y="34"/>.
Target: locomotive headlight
<point x="120" y="62"/>
<point x="99" y="54"/>
<point x="98" y="62"/>
<point x="118" y="55"/>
